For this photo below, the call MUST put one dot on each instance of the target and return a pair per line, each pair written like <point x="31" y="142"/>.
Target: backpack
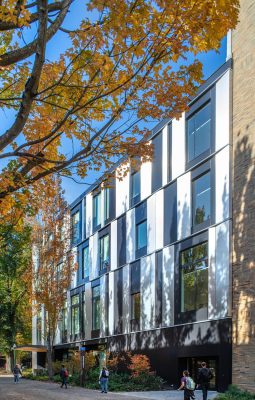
<point x="66" y="373"/>
<point x="104" y="374"/>
<point x="206" y="375"/>
<point x="190" y="384"/>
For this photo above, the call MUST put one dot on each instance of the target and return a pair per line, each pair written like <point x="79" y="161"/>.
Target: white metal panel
<point x="222" y="133"/>
<point x="126" y="298"/>
<point x="222" y="270"/>
<point x="178" y="146"/>
<point x="145" y="179"/>
<point x="114" y="254"/>
<point x="168" y="286"/>
<point x="229" y="45"/>
<point x="148" y="292"/>
<point x="102" y="208"/>
<point x="159" y="220"/>
<point x="122" y="192"/>
<point x="83" y="222"/>
<point x="151" y="223"/>
<point x="130" y="235"/>
<point x="94" y="256"/>
<point x="184" y="206"/>
<point x="222" y="168"/>
<point x="165" y="155"/>
<point x="111" y="303"/>
<point x="211" y="274"/>
<point x="75" y="274"/>
<point x="88" y="310"/>
<point x="89" y="214"/>
<point x="102" y="305"/>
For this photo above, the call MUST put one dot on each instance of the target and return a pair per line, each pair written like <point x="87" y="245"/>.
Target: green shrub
<point x="234" y="393"/>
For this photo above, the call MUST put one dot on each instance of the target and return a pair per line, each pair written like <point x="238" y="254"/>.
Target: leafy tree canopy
<point x="127" y="62"/>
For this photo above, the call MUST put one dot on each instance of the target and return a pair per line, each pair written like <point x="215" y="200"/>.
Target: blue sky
<point x="211" y="62"/>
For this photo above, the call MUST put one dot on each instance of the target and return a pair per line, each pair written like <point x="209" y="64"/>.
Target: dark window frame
<point x="195" y="107"/>
<point x="140" y="218"/>
<point x="75" y="307"/>
<point x="135" y="200"/>
<point x="156" y="165"/>
<point x="74" y="211"/>
<point x="135" y="288"/>
<point x="95" y="329"/>
<point x="96" y="194"/>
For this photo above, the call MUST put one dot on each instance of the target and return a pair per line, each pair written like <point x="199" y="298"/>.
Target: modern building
<point x="157" y="251"/>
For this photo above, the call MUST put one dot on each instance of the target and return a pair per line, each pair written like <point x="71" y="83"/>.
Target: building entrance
<point x="192" y="364"/>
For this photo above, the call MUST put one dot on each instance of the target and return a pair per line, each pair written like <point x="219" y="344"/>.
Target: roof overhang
<point x="32" y="347"/>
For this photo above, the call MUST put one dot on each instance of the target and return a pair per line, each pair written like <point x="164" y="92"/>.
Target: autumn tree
<point x="15" y="286"/>
<point x="128" y="61"/>
<point x="53" y="264"/>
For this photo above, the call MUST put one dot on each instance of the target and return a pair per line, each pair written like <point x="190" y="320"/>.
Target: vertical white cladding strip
<point x="122" y="192"/>
<point x="34" y="320"/>
<point x="222" y="113"/>
<point x="222" y="270"/>
<point x="83" y="216"/>
<point x="111" y="303"/>
<point x="168" y="286"/>
<point x="68" y="306"/>
<point x="211" y="274"/>
<point x="88" y="310"/>
<point x="184" y="206"/>
<point x="151" y="223"/>
<point x="102" y="306"/>
<point x="89" y="214"/>
<point x="178" y="146"/>
<point x="102" y="208"/>
<point x="93" y="254"/>
<point x="145" y="180"/>
<point x="165" y="148"/>
<point x="74" y="261"/>
<point x="159" y="220"/>
<point x="130" y="238"/>
<point x="148" y="292"/>
<point x="126" y="298"/>
<point x="113" y="256"/>
<point x="222" y="168"/>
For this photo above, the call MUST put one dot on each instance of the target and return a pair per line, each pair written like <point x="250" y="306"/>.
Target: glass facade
<point x="199" y="132"/>
<point x="76" y="227"/>
<point x="85" y="261"/>
<point x="96" y="308"/>
<point x="104" y="246"/>
<point x="194" y="278"/>
<point x="135" y="187"/>
<point x="97" y="210"/>
<point x="75" y="315"/>
<point x="64" y="323"/>
<point x="202" y="199"/>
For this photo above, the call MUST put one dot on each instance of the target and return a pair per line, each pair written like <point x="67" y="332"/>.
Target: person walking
<point x="203" y="379"/>
<point x="16" y="373"/>
<point x="188" y="385"/>
<point x="64" y="376"/>
<point x="103" y="380"/>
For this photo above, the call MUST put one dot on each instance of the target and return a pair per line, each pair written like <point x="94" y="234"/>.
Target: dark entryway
<point x="192" y="364"/>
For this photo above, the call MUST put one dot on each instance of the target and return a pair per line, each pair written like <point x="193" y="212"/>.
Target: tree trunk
<point x="49" y="361"/>
<point x="9" y="363"/>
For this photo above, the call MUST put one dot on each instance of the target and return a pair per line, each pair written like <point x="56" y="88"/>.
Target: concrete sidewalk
<point x="165" y="395"/>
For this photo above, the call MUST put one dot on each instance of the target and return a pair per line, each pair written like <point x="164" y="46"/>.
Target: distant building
<point x="159" y="250"/>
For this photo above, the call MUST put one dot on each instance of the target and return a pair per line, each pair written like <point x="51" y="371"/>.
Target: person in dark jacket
<point x="16" y="373"/>
<point x="203" y="379"/>
<point x="63" y="375"/>
<point x="103" y="380"/>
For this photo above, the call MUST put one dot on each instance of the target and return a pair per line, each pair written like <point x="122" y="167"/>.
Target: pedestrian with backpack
<point x="64" y="376"/>
<point x="103" y="380"/>
<point x="203" y="379"/>
<point x="188" y="385"/>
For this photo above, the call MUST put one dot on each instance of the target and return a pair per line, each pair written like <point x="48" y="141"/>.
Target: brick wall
<point x="244" y="198"/>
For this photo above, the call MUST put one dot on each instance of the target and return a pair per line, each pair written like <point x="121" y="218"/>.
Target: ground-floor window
<point x="96" y="308"/>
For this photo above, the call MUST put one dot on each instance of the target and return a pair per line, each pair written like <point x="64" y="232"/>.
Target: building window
<point x="199" y="132"/>
<point x="39" y="327"/>
<point x="97" y="211"/>
<point x="75" y="315"/>
<point x="121" y="240"/>
<point x="156" y="171"/>
<point x="135" y="296"/>
<point x="104" y="251"/>
<point x="201" y="199"/>
<point x="96" y="308"/>
<point x="194" y="278"/>
<point x="141" y="235"/>
<point x="85" y="262"/>
<point x="135" y="308"/>
<point x="76" y="227"/>
<point x="106" y="204"/>
<point x="135" y="187"/>
<point x="64" y="324"/>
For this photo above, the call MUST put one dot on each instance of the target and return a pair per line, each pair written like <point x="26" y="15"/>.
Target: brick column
<point x="244" y="198"/>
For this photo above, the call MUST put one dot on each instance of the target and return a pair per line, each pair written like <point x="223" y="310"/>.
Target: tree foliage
<point x="127" y="62"/>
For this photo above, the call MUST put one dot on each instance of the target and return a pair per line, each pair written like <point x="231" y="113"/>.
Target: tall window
<point x="97" y="210"/>
<point x="39" y="327"/>
<point x="64" y="323"/>
<point x="201" y="198"/>
<point x="85" y="262"/>
<point x="141" y="229"/>
<point x="156" y="171"/>
<point x="106" y="204"/>
<point x="141" y="235"/>
<point x="199" y="132"/>
<point x="194" y="278"/>
<point x="75" y="315"/>
<point x="76" y="227"/>
<point x="135" y="307"/>
<point x="96" y="308"/>
<point x="104" y="248"/>
<point x="135" y="187"/>
<point x="135" y="296"/>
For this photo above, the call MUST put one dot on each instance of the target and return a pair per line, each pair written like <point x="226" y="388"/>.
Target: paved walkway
<point x="34" y="390"/>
